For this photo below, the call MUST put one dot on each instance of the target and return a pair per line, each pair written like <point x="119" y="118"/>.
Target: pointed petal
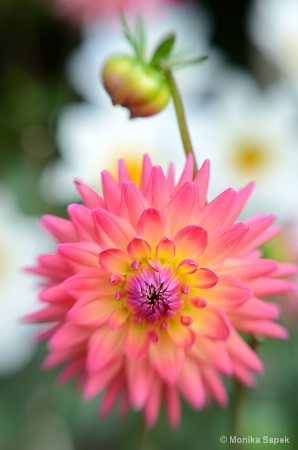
<point x="202" y="181"/>
<point x="173" y="405"/>
<point x="62" y="230"/>
<point x="183" y="208"/>
<point x="111" y="192"/>
<point x="214" y="214"/>
<point x="89" y="196"/>
<point x="157" y="193"/>
<point x="190" y="242"/>
<point x="203" y="279"/>
<point x="152" y="226"/>
<point x="146" y="172"/>
<point x="82" y="219"/>
<point x="165" y="251"/>
<point x="133" y="203"/>
<point x="167" y="358"/>
<point x="114" y="260"/>
<point x="241" y="198"/>
<point x="181" y="335"/>
<point x="118" y="318"/>
<point x="229" y="293"/>
<point x="95" y="382"/>
<point x="112" y="231"/>
<point x="80" y="255"/>
<point x="187" y="174"/>
<point x="211" y="322"/>
<point x="104" y="347"/>
<point x="136" y="343"/>
<point x="139" y="377"/>
<point x="139" y="249"/>
<point x="190" y="383"/>
<point x="221" y="244"/>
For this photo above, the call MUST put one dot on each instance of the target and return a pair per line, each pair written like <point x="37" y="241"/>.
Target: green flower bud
<point x="138" y="86"/>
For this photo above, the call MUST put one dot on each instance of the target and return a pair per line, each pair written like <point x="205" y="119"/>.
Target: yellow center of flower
<point x="250" y="157"/>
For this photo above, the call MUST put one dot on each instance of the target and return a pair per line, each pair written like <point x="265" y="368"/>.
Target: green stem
<point x="181" y="118"/>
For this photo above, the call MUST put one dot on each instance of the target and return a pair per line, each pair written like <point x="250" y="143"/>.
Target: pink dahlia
<point x="151" y="290"/>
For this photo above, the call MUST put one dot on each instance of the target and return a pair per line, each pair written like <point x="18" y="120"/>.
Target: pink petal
<point x="190" y="242"/>
<point x="62" y="229"/>
<point x="111" y="395"/>
<point x="210" y="322"/>
<point x="182" y="336"/>
<point x="187" y="174"/>
<point x="146" y="172"/>
<point x="139" y="249"/>
<point x="165" y="251"/>
<point x="203" y="279"/>
<point x="260" y="328"/>
<point x="80" y="255"/>
<point x="187" y="266"/>
<point x="104" y="347"/>
<point x="215" y="385"/>
<point x="114" y="260"/>
<point x="89" y="196"/>
<point x="240" y="351"/>
<point x="136" y="343"/>
<point x="118" y="318"/>
<point x="123" y="173"/>
<point x="173" y="406"/>
<point x="190" y="383"/>
<point x="112" y="231"/>
<point x="152" y="226"/>
<point x="266" y="286"/>
<point x="92" y="281"/>
<point x="95" y="382"/>
<point x="229" y="293"/>
<point x="69" y="335"/>
<point x="93" y="313"/>
<point x="111" y="192"/>
<point x="139" y="378"/>
<point x="183" y="208"/>
<point x="167" y="358"/>
<point x="241" y="198"/>
<point x="257" y="309"/>
<point x="133" y="203"/>
<point x="202" y="181"/>
<point x="55" y="294"/>
<point x="258" y="233"/>
<point x="153" y="402"/>
<point x="214" y="214"/>
<point x="51" y="266"/>
<point x="81" y="217"/>
<point x="221" y="244"/>
<point x="157" y="193"/>
<point x="248" y="268"/>
<point x="213" y="353"/>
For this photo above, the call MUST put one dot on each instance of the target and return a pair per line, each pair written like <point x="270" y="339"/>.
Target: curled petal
<point x="114" y="260"/>
<point x="187" y="266"/>
<point x="203" y="279"/>
<point x="136" y="343"/>
<point x="139" y="249"/>
<point x="165" y="251"/>
<point x="152" y="226"/>
<point x="190" y="242"/>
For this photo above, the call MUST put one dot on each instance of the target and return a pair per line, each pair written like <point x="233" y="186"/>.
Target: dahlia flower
<point x="151" y="288"/>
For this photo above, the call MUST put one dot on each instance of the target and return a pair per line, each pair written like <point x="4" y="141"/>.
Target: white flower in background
<point x="92" y="139"/>
<point x="273" y="27"/>
<point x="250" y="135"/>
<point x="20" y="240"/>
<point x="104" y="38"/>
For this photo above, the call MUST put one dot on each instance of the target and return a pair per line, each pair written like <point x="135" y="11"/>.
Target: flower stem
<point x="181" y="118"/>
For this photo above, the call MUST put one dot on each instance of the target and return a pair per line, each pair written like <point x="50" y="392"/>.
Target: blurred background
<point x="56" y="122"/>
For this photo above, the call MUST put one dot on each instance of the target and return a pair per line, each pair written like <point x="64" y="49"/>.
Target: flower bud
<point x="136" y="85"/>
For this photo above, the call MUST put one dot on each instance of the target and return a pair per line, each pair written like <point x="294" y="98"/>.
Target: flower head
<point x="151" y="287"/>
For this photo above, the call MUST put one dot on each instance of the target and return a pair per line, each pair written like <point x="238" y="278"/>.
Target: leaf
<point x="179" y="64"/>
<point x="128" y="34"/>
<point x="164" y="49"/>
<point x="140" y="35"/>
